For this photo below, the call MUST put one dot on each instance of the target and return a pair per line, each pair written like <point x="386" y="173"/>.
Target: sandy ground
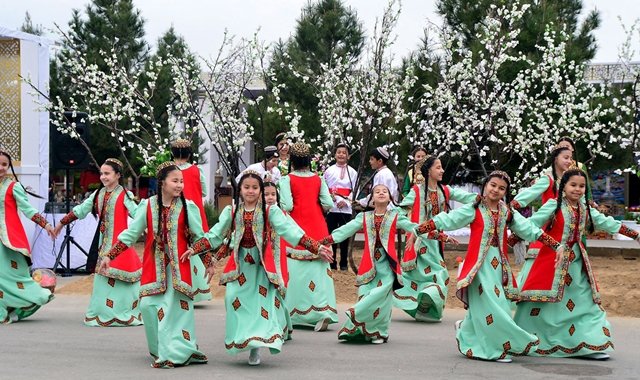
<point x="617" y="278"/>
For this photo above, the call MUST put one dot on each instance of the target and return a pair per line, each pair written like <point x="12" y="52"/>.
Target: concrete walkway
<point x="54" y="344"/>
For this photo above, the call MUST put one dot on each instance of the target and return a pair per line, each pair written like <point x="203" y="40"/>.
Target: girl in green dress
<point x="282" y="143"/>
<point x="545" y="187"/>
<point x="377" y="275"/>
<point x="115" y="294"/>
<point x="311" y="295"/>
<point x="254" y="307"/>
<point x="20" y="296"/>
<point x="561" y="300"/>
<point x="485" y="282"/>
<point x="271" y="197"/>
<point x="195" y="188"/>
<point x="418" y="154"/>
<point x="174" y="233"/>
<point x="424" y="272"/>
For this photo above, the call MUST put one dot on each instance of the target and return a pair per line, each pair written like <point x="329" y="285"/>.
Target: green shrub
<point x="211" y="213"/>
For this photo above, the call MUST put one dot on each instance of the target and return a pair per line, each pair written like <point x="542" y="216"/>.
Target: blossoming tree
<point x="480" y="115"/>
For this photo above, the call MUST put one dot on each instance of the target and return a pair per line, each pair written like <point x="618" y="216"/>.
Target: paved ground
<point x="54" y="344"/>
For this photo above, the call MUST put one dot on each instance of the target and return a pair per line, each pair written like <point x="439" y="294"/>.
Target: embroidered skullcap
<point x="114" y="161"/>
<point x="181" y="144"/>
<point x="271" y="150"/>
<point x="300" y="149"/>
<point x="164" y="165"/>
<point x="501" y="174"/>
<point x="383" y="152"/>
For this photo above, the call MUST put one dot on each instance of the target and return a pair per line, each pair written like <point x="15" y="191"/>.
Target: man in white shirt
<point x="341" y="179"/>
<point x="267" y="167"/>
<point x="378" y="159"/>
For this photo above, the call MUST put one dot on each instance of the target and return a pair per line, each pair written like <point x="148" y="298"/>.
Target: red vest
<point x="410" y="252"/>
<point x="307" y="211"/>
<point x="15" y="231"/>
<point x="193" y="191"/>
<point x="548" y="194"/>
<point x="128" y="260"/>
<point x="150" y="258"/>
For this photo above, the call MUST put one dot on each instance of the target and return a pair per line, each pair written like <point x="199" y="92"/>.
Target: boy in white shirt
<point x="341" y="179"/>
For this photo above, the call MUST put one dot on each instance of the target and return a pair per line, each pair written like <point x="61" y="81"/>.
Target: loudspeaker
<point x="68" y="152"/>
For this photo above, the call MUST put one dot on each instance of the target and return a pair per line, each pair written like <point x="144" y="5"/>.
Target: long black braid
<point x="3" y="153"/>
<point x="181" y="153"/>
<point x="563" y="182"/>
<point x="424" y="170"/>
<point x="554" y="154"/>
<point x="502" y="176"/>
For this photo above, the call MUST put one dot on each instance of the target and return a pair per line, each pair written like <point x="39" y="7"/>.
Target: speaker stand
<point x="68" y="239"/>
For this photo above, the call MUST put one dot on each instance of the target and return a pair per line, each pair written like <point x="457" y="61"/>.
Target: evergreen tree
<point x="326" y="28"/>
<point x="28" y="27"/>
<point x="170" y="44"/>
<point x="104" y="25"/>
<point x="463" y="16"/>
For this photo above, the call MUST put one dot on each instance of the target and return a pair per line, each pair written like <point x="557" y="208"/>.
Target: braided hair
<point x="428" y="163"/>
<point x="563" y="182"/>
<point x="299" y="162"/>
<point x="262" y="203"/>
<point x="504" y="177"/>
<point x="162" y="176"/>
<point x="181" y="153"/>
<point x="3" y="153"/>
<point x="554" y="155"/>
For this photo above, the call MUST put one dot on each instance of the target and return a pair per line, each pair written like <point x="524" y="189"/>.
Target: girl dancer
<point x="369" y="318"/>
<point x="278" y="247"/>
<point x="418" y="154"/>
<point x="311" y="296"/>
<point x="568" y="142"/>
<point x="561" y="299"/>
<point x="251" y="299"/>
<point x="174" y="232"/>
<point x="194" y="189"/>
<point x="340" y="179"/>
<point x="547" y="187"/>
<point x="115" y="295"/>
<point x="424" y="272"/>
<point x="485" y="283"/>
<point x="20" y="296"/>
<point x="283" y="153"/>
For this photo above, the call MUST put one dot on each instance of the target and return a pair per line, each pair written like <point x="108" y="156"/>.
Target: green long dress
<point x="486" y="284"/>
<point x="255" y="316"/>
<point x="201" y="288"/>
<point x="115" y="297"/>
<point x="562" y="305"/>
<point x="311" y="295"/>
<point x="20" y="296"/>
<point x="541" y="188"/>
<point x="166" y="293"/>
<point x="425" y="281"/>
<point x="370" y="317"/>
